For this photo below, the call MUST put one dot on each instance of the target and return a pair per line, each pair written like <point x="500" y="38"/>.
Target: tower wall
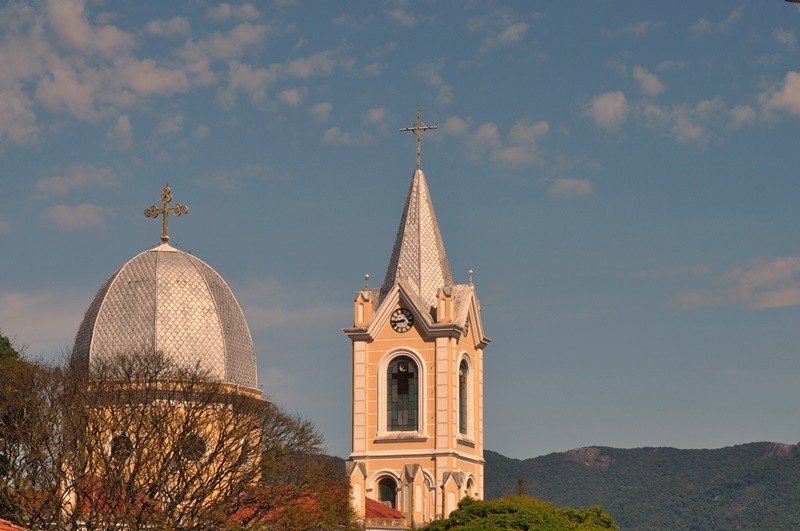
<point x="417" y="354"/>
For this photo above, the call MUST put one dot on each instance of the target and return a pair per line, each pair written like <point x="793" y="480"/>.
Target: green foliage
<point x="523" y="513"/>
<point x="740" y="487"/>
<point x="7" y="350"/>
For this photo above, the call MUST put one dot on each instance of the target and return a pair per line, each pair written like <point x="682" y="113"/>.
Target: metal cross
<point x="165" y="211"/>
<point x="418" y="128"/>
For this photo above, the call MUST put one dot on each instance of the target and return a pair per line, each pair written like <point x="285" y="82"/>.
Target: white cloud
<point x="69" y="20"/>
<point x="321" y="112"/>
<point x="252" y="81"/>
<point x="648" y="83"/>
<point x="705" y="27"/>
<point x="785" y="37"/>
<point x="56" y="55"/>
<point x="429" y="73"/>
<point x="742" y="115"/>
<point x="335" y="135"/>
<point x="17" y="119"/>
<point x="402" y="17"/>
<point x="571" y="187"/>
<point x="501" y="28"/>
<point x="513" y="33"/>
<point x="291" y="97"/>
<point x="77" y="217"/>
<point x="234" y="43"/>
<point x="122" y="133"/>
<point x="176" y="26"/>
<point x="372" y="69"/>
<point x="764" y="283"/>
<point x="522" y="147"/>
<point x="322" y="63"/>
<point x="227" y="11"/>
<point x="79" y="176"/>
<point x="786" y="97"/>
<point x="456" y="125"/>
<point x="377" y="116"/>
<point x="528" y="133"/>
<point x="485" y="137"/>
<point x="62" y="88"/>
<point x="609" y="110"/>
<point x="686" y="123"/>
<point x="146" y="78"/>
<point x="224" y="46"/>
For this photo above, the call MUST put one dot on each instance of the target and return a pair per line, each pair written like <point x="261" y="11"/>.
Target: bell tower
<point x="417" y="391"/>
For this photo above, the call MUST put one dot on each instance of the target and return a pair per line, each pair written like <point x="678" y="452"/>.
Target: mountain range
<point x="748" y="486"/>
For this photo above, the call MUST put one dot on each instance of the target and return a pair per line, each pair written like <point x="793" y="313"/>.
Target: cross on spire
<point x="418" y="128"/>
<point x="165" y="211"/>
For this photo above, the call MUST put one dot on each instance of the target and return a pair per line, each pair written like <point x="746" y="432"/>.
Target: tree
<point x="521" y="512"/>
<point x="139" y="443"/>
<point x="7" y="349"/>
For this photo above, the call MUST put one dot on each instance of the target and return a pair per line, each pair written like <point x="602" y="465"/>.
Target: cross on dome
<point x="418" y="127"/>
<point x="165" y="211"/>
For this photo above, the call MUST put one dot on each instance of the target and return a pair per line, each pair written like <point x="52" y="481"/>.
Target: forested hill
<point x="750" y="486"/>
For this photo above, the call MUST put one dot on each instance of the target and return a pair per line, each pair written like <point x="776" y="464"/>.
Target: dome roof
<point x="168" y="301"/>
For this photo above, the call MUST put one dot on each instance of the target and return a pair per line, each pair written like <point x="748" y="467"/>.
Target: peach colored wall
<point x="440" y="447"/>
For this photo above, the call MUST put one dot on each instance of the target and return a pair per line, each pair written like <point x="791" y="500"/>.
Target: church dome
<point x="165" y="300"/>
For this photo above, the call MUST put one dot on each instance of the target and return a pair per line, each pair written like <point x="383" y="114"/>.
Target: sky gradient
<point x="621" y="175"/>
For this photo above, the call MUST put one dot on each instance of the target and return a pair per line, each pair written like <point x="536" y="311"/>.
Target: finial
<point x="470" y="276"/>
<point x="366" y="280"/>
<point x="165" y="211"/>
<point x="418" y="127"/>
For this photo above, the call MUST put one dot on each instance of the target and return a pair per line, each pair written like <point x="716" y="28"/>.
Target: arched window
<point x="192" y="447"/>
<point x="402" y="381"/>
<point x="470" y="488"/>
<point x="463" y="373"/>
<point x="387" y="492"/>
<point x="121" y="447"/>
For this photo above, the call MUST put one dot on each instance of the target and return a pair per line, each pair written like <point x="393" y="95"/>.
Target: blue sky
<point x="621" y="175"/>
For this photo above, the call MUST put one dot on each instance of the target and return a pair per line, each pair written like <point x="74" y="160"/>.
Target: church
<point x="417" y="386"/>
<point x="417" y="358"/>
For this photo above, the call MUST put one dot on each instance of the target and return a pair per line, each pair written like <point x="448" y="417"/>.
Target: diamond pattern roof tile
<point x="169" y="301"/>
<point x="418" y="254"/>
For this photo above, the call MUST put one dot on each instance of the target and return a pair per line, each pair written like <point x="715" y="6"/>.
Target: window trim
<point x="402" y="384"/>
<point x="468" y="434"/>
<point x="382" y="377"/>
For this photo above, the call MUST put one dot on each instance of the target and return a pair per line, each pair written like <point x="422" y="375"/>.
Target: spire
<point x="418" y="254"/>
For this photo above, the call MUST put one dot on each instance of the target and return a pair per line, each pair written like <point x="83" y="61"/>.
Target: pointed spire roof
<point x="418" y="254"/>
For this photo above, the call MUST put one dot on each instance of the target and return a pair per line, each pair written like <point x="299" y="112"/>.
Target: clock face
<point x="402" y="320"/>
